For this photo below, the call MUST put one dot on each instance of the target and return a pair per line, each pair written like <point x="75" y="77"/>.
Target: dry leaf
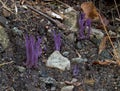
<point x="118" y="62"/>
<point x="102" y="44"/>
<point x="90" y="10"/>
<point x="6" y="13"/>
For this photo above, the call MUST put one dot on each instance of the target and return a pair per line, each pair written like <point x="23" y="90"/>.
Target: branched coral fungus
<point x="57" y="41"/>
<point x="84" y="27"/>
<point x="33" y="50"/>
<point x="75" y="70"/>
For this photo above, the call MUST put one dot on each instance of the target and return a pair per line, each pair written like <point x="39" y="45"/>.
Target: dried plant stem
<point x="117" y="8"/>
<point x="117" y="19"/>
<point x="6" y="63"/>
<point x="115" y="52"/>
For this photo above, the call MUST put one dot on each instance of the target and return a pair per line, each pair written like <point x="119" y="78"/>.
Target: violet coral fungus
<point x="84" y="27"/>
<point x="57" y="41"/>
<point x="33" y="50"/>
<point x="75" y="70"/>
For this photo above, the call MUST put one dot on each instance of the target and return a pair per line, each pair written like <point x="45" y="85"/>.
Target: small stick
<point x="116" y="54"/>
<point x="118" y="19"/>
<point x="6" y="63"/>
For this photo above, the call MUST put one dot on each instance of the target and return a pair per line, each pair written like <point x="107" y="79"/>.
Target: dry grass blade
<point x="6" y="63"/>
<point x="106" y="62"/>
<point x="102" y="44"/>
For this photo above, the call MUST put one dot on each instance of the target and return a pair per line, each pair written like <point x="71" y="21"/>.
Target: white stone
<point x="67" y="88"/>
<point x="56" y="60"/>
<point x="97" y="32"/>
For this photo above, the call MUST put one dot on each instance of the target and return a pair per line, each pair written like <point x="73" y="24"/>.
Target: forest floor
<point x="95" y="71"/>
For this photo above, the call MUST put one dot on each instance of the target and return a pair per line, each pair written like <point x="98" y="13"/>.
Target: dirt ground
<point x="17" y="20"/>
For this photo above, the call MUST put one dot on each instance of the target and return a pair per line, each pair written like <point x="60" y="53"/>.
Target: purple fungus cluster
<point x="84" y="27"/>
<point x="57" y="40"/>
<point x="33" y="51"/>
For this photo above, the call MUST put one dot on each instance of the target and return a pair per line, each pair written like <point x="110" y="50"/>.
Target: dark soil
<point x="16" y="76"/>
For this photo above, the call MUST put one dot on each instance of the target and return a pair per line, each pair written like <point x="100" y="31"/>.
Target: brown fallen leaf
<point x="90" y="10"/>
<point x="102" y="44"/>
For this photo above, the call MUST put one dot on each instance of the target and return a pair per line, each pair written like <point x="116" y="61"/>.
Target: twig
<point x="118" y="19"/>
<point x="115" y="52"/>
<point x="6" y="63"/>
<point x="60" y="25"/>
<point x="117" y="8"/>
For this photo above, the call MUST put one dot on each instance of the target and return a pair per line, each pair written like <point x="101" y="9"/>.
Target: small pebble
<point x="79" y="60"/>
<point x="21" y="69"/>
<point x="53" y="88"/>
<point x="67" y="88"/>
<point x="66" y="53"/>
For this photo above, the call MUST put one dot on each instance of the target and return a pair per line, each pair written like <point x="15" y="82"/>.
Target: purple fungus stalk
<point x="88" y="26"/>
<point x="83" y="25"/>
<point x="33" y="51"/>
<point x="57" y="41"/>
<point x="75" y="70"/>
<point x="37" y="51"/>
